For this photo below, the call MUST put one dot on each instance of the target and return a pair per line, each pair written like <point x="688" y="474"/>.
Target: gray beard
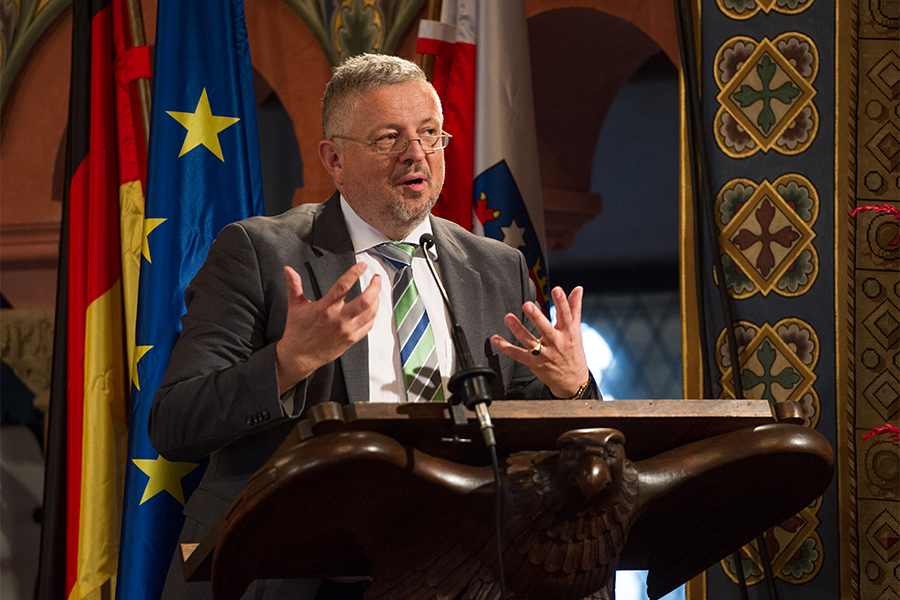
<point x="404" y="214"/>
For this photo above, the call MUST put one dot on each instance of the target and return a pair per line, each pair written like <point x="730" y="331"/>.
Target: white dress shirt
<point x="386" y="382"/>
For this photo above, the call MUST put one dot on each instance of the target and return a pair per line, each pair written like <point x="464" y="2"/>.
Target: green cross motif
<point x="786" y="379"/>
<point x="748" y="96"/>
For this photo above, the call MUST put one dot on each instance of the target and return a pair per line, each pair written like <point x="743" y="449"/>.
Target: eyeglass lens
<point x="428" y="142"/>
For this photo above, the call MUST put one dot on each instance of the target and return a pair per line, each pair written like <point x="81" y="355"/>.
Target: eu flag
<point x="203" y="173"/>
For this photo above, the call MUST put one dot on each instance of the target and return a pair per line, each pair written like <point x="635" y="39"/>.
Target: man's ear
<point x="330" y="155"/>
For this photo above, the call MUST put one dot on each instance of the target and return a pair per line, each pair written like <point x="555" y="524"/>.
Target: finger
<point x="563" y="308"/>
<point x="294" y="285"/>
<point x="538" y="319"/>
<point x="360" y="324"/>
<point x="343" y="285"/>
<point x="514" y="352"/>
<point x="364" y="306"/>
<point x="374" y="286"/>
<point x="521" y="333"/>
<point x="574" y="303"/>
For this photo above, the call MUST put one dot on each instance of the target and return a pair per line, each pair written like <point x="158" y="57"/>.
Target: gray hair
<point x="360" y="74"/>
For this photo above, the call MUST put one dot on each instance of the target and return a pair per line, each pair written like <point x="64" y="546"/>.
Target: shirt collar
<point x="364" y="236"/>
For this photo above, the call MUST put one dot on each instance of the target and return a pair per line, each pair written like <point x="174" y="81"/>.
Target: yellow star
<point x="149" y="225"/>
<point x="164" y="476"/>
<point x="139" y="352"/>
<point x="203" y="127"/>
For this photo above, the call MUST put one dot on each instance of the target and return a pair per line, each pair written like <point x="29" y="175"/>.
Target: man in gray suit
<point x="292" y="310"/>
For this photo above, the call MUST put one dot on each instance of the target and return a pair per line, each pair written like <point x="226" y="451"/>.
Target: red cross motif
<point x="785" y="237"/>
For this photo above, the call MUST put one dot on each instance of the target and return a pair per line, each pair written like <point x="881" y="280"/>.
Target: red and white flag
<point x="483" y="76"/>
<point x="452" y="41"/>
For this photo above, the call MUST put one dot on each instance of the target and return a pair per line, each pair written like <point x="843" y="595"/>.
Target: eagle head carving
<point x="592" y="460"/>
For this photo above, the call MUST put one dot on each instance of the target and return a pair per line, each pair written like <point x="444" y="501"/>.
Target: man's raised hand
<point x="317" y="332"/>
<point x="560" y="363"/>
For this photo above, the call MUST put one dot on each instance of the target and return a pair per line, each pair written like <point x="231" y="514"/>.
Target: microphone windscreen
<point x="426" y="240"/>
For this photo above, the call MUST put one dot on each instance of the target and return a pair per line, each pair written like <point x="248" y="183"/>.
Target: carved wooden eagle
<point x="360" y="503"/>
<point x="565" y="518"/>
<point x="423" y="527"/>
<point x="567" y="515"/>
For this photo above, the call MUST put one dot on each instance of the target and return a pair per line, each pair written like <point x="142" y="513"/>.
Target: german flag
<point x="96" y="305"/>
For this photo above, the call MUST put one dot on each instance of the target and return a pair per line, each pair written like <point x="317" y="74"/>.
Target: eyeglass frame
<point x="374" y="143"/>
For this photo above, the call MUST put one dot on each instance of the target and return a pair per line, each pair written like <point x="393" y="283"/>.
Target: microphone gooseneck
<point x="470" y="385"/>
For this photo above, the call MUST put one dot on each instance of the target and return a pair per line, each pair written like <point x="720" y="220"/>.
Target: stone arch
<point x="597" y="46"/>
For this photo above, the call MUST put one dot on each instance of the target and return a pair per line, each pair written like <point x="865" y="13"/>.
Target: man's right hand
<point x="317" y="332"/>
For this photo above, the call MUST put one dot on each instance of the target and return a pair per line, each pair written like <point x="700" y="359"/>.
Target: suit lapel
<point x="463" y="285"/>
<point x="332" y="244"/>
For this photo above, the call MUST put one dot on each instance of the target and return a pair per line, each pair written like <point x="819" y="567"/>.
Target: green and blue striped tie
<point x="418" y="354"/>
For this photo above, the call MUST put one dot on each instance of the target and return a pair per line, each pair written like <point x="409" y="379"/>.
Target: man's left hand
<point x="561" y="364"/>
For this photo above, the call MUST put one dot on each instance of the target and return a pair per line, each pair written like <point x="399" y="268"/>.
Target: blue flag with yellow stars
<point x="203" y="173"/>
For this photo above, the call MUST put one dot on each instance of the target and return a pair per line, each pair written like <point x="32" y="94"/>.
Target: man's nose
<point x="414" y="151"/>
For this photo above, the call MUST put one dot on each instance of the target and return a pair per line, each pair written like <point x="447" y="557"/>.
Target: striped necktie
<point x="418" y="355"/>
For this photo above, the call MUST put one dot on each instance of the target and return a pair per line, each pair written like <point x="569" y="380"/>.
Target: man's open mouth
<point x="414" y="182"/>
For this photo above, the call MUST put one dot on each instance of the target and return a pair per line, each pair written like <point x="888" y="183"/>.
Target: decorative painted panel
<point x="745" y="9"/>
<point x="766" y="234"/>
<point x="794" y="547"/>
<point x="347" y="27"/>
<point x="768" y="90"/>
<point x="777" y="364"/>
<point x="766" y="95"/>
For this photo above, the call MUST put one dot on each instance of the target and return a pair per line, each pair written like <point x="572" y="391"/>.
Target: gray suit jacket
<point x="220" y="395"/>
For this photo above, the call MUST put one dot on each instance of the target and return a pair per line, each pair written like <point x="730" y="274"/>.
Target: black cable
<point x="700" y="172"/>
<point x="700" y="180"/>
<point x="739" y="568"/>
<point x="767" y="566"/>
<point x="498" y="514"/>
<point x="699" y="266"/>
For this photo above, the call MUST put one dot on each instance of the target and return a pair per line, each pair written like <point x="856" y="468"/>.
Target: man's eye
<point x="430" y="132"/>
<point x="387" y="136"/>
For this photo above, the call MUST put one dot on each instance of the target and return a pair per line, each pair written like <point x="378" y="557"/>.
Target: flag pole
<point x="432" y="13"/>
<point x="136" y="23"/>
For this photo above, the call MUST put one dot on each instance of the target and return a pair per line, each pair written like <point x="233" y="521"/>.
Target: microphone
<point x="470" y="383"/>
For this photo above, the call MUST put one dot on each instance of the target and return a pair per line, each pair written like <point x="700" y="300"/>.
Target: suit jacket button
<point x="249" y="420"/>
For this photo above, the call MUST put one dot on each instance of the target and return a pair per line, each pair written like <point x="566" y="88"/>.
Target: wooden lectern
<point x="399" y="497"/>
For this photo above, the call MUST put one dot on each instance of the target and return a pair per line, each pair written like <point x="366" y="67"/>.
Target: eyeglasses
<point x="393" y="145"/>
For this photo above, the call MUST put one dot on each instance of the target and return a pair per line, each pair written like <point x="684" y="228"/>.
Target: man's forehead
<point x="400" y="106"/>
<point x="409" y="91"/>
<point x="431" y="121"/>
